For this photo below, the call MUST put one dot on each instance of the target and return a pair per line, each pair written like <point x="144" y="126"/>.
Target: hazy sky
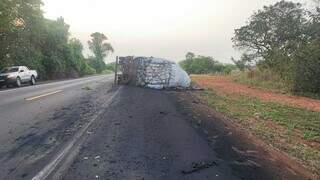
<point x="159" y="28"/>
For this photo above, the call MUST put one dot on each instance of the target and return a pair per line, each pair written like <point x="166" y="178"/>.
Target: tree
<point x="20" y="23"/>
<point x="28" y="39"/>
<point x="279" y="26"/>
<point x="55" y="49"/>
<point x="306" y="64"/>
<point x="241" y="64"/>
<point x="284" y="38"/>
<point x="186" y="64"/>
<point x="313" y="26"/>
<point x="190" y="56"/>
<point x="100" y="49"/>
<point x="317" y="3"/>
<point x="204" y="65"/>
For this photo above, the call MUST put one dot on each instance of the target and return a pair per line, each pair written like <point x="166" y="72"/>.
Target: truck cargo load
<point x="150" y="72"/>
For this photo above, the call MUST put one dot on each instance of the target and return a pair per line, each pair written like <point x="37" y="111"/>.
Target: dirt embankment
<point x="285" y="127"/>
<point x="227" y="87"/>
<point x="249" y="156"/>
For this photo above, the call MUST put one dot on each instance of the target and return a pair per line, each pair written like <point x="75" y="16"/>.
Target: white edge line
<point x="49" y="168"/>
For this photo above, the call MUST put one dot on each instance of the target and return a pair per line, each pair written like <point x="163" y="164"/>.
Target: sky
<point x="159" y="28"/>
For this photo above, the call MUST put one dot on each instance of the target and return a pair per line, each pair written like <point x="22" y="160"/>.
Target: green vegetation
<point x="263" y="78"/>
<point x="283" y="38"/>
<point x="204" y="65"/>
<point x="285" y="127"/>
<point x="111" y="66"/>
<point x="266" y="79"/>
<point x="100" y="49"/>
<point x="27" y="38"/>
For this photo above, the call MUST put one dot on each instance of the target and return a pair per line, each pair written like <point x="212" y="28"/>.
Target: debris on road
<point x="150" y="72"/>
<point x="97" y="157"/>
<point x="199" y="166"/>
<point x="87" y="88"/>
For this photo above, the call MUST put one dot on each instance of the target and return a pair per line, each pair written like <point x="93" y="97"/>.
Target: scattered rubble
<point x="89" y="132"/>
<point x="97" y="157"/>
<point x="87" y="88"/>
<point x="199" y="166"/>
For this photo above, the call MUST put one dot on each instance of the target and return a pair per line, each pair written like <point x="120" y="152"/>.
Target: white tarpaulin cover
<point x="156" y="73"/>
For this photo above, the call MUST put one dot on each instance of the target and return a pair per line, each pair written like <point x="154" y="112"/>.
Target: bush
<point x="285" y="39"/>
<point x="111" y="66"/>
<point x="88" y="70"/>
<point x="205" y="65"/>
<point x="306" y="76"/>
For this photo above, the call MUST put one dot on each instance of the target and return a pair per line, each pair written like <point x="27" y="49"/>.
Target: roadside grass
<point x="287" y="128"/>
<point x="267" y="80"/>
<point x="263" y="79"/>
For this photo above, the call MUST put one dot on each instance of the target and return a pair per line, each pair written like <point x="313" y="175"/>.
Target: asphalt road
<point x="88" y="129"/>
<point x="143" y="136"/>
<point x="35" y="121"/>
<point x="155" y="135"/>
<point x="18" y="112"/>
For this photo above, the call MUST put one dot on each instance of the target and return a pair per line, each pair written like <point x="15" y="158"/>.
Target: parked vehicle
<point x="17" y="75"/>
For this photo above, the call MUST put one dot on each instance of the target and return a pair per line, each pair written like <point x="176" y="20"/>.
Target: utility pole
<point x="116" y="71"/>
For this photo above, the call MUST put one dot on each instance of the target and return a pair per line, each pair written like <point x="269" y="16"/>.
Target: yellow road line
<point x="42" y="95"/>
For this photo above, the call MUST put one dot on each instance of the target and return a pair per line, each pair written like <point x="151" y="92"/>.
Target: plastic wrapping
<point x="155" y="73"/>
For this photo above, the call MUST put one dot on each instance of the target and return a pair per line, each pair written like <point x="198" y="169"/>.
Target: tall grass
<point x="261" y="78"/>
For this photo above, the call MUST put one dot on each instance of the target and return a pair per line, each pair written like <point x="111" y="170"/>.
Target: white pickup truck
<point x="16" y="75"/>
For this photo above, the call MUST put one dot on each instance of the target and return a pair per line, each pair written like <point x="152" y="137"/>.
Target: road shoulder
<point x="249" y="156"/>
<point x="143" y="136"/>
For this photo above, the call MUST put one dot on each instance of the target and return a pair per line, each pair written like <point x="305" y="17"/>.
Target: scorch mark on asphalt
<point x="67" y="149"/>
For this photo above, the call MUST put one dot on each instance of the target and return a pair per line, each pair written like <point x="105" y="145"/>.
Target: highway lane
<point x="32" y="115"/>
<point x="88" y="129"/>
<point x="153" y="135"/>
<point x="13" y="95"/>
<point x="16" y="111"/>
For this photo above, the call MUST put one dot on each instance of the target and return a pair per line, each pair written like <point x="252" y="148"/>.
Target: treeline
<point x="283" y="38"/>
<point x="29" y="39"/>
<point x="197" y="64"/>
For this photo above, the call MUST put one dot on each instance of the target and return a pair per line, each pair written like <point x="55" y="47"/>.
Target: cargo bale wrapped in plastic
<point x="156" y="73"/>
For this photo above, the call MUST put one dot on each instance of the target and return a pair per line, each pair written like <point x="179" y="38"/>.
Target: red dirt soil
<point x="225" y="86"/>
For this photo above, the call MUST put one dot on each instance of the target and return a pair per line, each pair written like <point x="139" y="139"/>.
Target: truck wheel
<point x="18" y="82"/>
<point x="33" y="80"/>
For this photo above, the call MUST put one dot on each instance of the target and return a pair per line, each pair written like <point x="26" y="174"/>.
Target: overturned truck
<point x="150" y="72"/>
